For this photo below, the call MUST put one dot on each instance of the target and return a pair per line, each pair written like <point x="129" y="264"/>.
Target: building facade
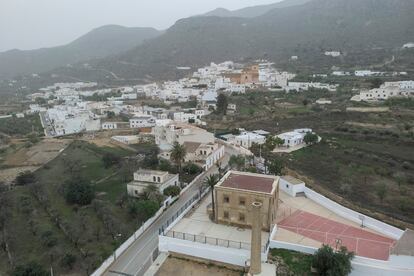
<point x="145" y="178"/>
<point x="235" y="193"/>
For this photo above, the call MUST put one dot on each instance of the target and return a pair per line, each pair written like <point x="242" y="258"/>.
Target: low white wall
<point x="344" y="212"/>
<point x="206" y="251"/>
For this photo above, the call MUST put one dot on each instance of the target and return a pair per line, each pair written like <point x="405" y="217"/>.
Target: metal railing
<point x="180" y="211"/>
<point x="213" y="241"/>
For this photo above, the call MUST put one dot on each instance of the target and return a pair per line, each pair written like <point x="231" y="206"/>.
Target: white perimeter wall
<point x="206" y="251"/>
<point x="351" y="215"/>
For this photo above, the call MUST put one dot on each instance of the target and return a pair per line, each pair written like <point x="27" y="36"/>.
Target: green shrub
<point x="30" y="269"/>
<point x="25" y="178"/>
<point x="192" y="168"/>
<point x="78" y="191"/>
<point x="172" y="191"/>
<point x="327" y="262"/>
<point x="143" y="209"/>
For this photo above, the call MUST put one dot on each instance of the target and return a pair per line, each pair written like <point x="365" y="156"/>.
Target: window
<point x="154" y="179"/>
<point x="226" y="214"/>
<point x="159" y="179"/>
<point x="242" y="217"/>
<point x="136" y="192"/>
<point x="259" y="200"/>
<point x="242" y="201"/>
<point x="226" y="199"/>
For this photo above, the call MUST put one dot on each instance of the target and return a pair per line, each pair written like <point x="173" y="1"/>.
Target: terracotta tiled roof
<point x="248" y="182"/>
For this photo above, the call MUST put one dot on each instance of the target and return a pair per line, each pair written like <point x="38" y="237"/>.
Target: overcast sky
<point x="31" y="24"/>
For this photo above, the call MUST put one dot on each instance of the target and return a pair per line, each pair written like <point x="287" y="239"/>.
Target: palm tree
<point x="151" y="192"/>
<point x="211" y="181"/>
<point x="178" y="154"/>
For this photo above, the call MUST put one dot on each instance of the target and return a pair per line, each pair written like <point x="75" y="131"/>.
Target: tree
<point x="310" y="138"/>
<point x="151" y="192"/>
<point x="143" y="209"/>
<point x="30" y="269"/>
<point x="25" y="178"/>
<point x="305" y="102"/>
<point x="381" y="191"/>
<point x="68" y="261"/>
<point x="48" y="239"/>
<point x="41" y="101"/>
<point x="151" y="157"/>
<point x="33" y="138"/>
<point x="172" y="191"/>
<point x="275" y="166"/>
<point x="78" y="191"/>
<point x="178" y="154"/>
<point x="220" y="168"/>
<point x="401" y="178"/>
<point x="222" y="103"/>
<point x="330" y="263"/>
<point x="376" y="83"/>
<point x="237" y="162"/>
<point x="164" y="165"/>
<point x="191" y="168"/>
<point x="110" y="114"/>
<point x="211" y="181"/>
<point x="110" y="159"/>
<point x="278" y="141"/>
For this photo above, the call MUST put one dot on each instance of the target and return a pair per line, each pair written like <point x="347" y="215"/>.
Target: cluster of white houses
<point x="387" y="90"/>
<point x="247" y="138"/>
<point x="83" y="106"/>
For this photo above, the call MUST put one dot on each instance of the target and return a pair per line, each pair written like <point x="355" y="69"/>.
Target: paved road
<point x="134" y="261"/>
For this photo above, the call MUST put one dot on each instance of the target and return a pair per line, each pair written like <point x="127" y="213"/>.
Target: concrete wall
<point x="206" y="251"/>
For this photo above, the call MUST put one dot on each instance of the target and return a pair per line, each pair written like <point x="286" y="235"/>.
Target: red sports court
<point x="326" y="231"/>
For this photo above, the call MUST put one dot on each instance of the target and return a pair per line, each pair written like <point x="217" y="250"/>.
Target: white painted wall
<point x="354" y="216"/>
<point x="289" y="188"/>
<point x="206" y="251"/>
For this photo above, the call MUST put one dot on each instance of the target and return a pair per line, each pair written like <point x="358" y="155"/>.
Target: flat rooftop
<point x="292" y="180"/>
<point x="154" y="172"/>
<point x="249" y="182"/>
<point x="197" y="222"/>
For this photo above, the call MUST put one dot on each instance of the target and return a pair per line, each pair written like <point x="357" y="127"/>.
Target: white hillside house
<point x="333" y="53"/>
<point x="295" y="137"/>
<point x="145" y="178"/>
<point x="246" y="139"/>
<point x="387" y="90"/>
<point x="142" y="121"/>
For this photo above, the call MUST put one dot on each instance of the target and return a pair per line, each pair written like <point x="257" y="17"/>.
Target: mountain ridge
<point x="98" y="43"/>
<point x="347" y="26"/>
<point x="254" y="11"/>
